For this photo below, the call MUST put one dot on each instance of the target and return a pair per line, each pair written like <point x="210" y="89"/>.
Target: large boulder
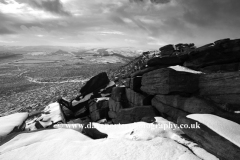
<point x="130" y="115"/>
<point x="168" y="47"/>
<point x="95" y="84"/>
<point x="167" y="80"/>
<point x="171" y="112"/>
<point x="222" y="41"/>
<point x="217" y="135"/>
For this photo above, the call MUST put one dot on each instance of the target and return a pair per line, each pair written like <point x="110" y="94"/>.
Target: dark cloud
<point x="160" y="1"/>
<point x="211" y="12"/>
<point x="52" y="6"/>
<point x="4" y="31"/>
<point x="136" y="1"/>
<point x="3" y="1"/>
<point x="152" y="1"/>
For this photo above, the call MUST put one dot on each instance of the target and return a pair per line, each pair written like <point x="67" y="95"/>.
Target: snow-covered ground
<point x="131" y="141"/>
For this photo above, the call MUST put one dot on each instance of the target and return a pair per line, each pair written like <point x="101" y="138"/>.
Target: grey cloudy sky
<point x="111" y="23"/>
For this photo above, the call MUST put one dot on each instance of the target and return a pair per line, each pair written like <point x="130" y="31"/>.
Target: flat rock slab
<point x="167" y="61"/>
<point x="210" y="140"/>
<point x="130" y="115"/>
<point x="146" y="70"/>
<point x="219" y="83"/>
<point x="188" y="104"/>
<point x="172" y="112"/>
<point x="212" y="55"/>
<point x="196" y="105"/>
<point x="232" y="67"/>
<point x="167" y="80"/>
<point x="137" y="99"/>
<point x="232" y="99"/>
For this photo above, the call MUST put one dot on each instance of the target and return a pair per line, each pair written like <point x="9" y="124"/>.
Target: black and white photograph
<point x="119" y="79"/>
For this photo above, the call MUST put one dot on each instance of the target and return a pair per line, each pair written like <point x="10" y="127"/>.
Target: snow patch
<point x="225" y="128"/>
<point x="11" y="121"/>
<point x="184" y="69"/>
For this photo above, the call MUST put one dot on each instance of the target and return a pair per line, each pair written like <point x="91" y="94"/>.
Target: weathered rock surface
<point x="112" y="114"/>
<point x="127" y="82"/>
<point x="167" y="61"/>
<point x="114" y="105"/>
<point x="145" y="70"/>
<point x="130" y="115"/>
<point x="118" y="93"/>
<point x="135" y="83"/>
<point x="187" y="104"/>
<point x="137" y="99"/>
<point x="222" y="68"/>
<point x="93" y="106"/>
<point x="167" y="48"/>
<point x="219" y="83"/>
<point x="99" y="114"/>
<point x="166" y="81"/>
<point x="172" y="112"/>
<point x="231" y="99"/>
<point x="196" y="105"/>
<point x="227" y="52"/>
<point x="210" y="140"/>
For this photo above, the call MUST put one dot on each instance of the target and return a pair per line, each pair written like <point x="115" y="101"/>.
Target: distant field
<point x="8" y="57"/>
<point x="31" y="86"/>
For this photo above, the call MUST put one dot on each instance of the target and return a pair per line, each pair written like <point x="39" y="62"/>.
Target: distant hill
<point x="60" y="52"/>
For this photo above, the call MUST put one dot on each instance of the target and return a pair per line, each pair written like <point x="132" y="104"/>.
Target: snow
<point x="184" y="69"/>
<point x="53" y="115"/>
<point x="225" y="128"/>
<point x="11" y="121"/>
<point x="129" y="141"/>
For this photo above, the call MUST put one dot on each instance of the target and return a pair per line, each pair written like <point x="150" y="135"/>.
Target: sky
<point x="143" y="24"/>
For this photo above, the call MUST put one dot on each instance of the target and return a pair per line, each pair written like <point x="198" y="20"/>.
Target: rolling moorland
<point x="32" y="77"/>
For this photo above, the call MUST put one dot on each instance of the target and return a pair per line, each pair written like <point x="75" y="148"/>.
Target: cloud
<point x="211" y="12"/>
<point x="112" y="21"/>
<point x="152" y="1"/>
<point x="5" y="31"/>
<point x="52" y="6"/>
<point x="160" y="1"/>
<point x="3" y="2"/>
